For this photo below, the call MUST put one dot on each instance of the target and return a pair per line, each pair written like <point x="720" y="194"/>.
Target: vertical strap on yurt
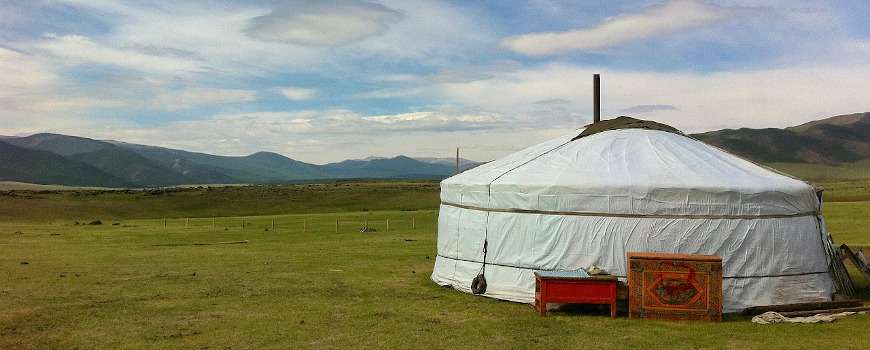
<point x="478" y="284"/>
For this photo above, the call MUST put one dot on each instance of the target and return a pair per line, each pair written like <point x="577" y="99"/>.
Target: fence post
<point x="388" y="225"/>
<point x="243" y="224"/>
<point x="273" y="223"/>
<point x="413" y="223"/>
<point x="336" y="225"/>
<point x="187" y="223"/>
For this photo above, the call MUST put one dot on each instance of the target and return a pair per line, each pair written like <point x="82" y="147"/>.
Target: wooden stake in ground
<point x="187" y="223"/>
<point x="413" y="223"/>
<point x="388" y="225"/>
<point x="336" y="225"/>
<point x="273" y="224"/>
<point x="243" y="224"/>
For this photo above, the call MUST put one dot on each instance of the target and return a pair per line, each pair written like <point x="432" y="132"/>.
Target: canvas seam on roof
<point x="489" y="186"/>
<point x="489" y="198"/>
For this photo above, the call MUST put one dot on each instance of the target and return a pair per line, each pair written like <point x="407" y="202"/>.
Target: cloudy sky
<point x="322" y="81"/>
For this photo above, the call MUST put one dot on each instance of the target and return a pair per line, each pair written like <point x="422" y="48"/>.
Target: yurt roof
<point x="630" y="166"/>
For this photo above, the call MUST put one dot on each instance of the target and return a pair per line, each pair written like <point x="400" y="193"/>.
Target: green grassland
<point x="854" y="170"/>
<point x="139" y="284"/>
<point x="48" y="205"/>
<point x="847" y="211"/>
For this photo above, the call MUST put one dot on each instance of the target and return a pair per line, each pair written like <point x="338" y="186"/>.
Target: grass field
<point x="139" y="285"/>
<point x="856" y="170"/>
<point x="216" y="201"/>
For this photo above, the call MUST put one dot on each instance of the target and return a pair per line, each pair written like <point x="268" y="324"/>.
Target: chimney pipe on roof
<point x="596" y="97"/>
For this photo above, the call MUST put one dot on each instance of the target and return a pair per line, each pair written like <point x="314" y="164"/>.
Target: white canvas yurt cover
<point x="628" y="185"/>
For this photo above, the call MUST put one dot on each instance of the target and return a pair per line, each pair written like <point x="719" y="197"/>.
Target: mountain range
<point x="831" y="141"/>
<point x="71" y="160"/>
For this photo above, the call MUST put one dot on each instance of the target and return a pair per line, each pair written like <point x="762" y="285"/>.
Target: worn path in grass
<point x="120" y="287"/>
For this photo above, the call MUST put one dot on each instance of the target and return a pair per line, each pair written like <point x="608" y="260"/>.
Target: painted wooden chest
<point x="674" y="286"/>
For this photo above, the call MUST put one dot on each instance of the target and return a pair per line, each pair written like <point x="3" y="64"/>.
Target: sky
<point x="322" y="81"/>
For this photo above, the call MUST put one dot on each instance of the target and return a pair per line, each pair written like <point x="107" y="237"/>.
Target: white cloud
<point x="220" y="35"/>
<point x="318" y="136"/>
<point x="674" y="16"/>
<point x="323" y="23"/>
<point x="552" y="102"/>
<point x="396" y="77"/>
<point x="434" y="33"/>
<point x="22" y="73"/>
<point x="640" y="109"/>
<point x="297" y="93"/>
<point x="317" y="123"/>
<point x="173" y="100"/>
<point x="77" y="49"/>
<point x="391" y="93"/>
<point x="435" y="120"/>
<point x="214" y="35"/>
<point x="31" y="95"/>
<point x="701" y="101"/>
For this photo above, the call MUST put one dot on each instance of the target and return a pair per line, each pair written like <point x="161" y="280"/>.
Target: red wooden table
<point x="558" y="287"/>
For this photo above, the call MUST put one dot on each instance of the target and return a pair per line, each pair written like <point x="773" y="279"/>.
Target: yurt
<point x="628" y="185"/>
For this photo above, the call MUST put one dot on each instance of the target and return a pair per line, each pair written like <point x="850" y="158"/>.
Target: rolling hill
<point x="116" y="163"/>
<point x="463" y="163"/>
<point x="831" y="141"/>
<point x="260" y="167"/>
<point x="109" y="158"/>
<point x="396" y="167"/>
<point x="837" y="147"/>
<point x="38" y="166"/>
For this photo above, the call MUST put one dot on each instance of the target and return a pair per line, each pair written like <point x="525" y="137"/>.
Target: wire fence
<point x="338" y="223"/>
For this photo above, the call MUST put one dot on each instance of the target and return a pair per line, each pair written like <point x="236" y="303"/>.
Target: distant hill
<point x="38" y="166"/>
<point x="834" y="147"/>
<point x="111" y="159"/>
<point x="464" y="164"/>
<point x="850" y="130"/>
<point x="261" y="167"/>
<point x="60" y="144"/>
<point x="114" y="163"/>
<point x="396" y="167"/>
<point x="836" y="140"/>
